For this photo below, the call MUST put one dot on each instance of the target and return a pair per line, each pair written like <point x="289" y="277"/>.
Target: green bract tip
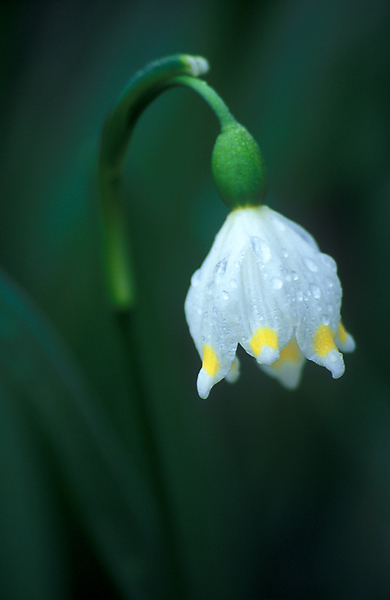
<point x="238" y="168"/>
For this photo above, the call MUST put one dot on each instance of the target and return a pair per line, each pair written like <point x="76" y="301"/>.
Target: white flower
<point x="265" y="285"/>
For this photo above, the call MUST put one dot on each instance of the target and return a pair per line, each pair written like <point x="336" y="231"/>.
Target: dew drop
<point x="284" y="253"/>
<point x="261" y="249"/>
<point x="325" y="319"/>
<point x="329" y="282"/>
<point x="310" y="264"/>
<point x="315" y="290"/>
<point x="294" y="275"/>
<point x="277" y="283"/>
<point x="225" y="295"/>
<point x="233" y="284"/>
<point x="299" y="296"/>
<point x="220" y="269"/>
<point x="329" y="307"/>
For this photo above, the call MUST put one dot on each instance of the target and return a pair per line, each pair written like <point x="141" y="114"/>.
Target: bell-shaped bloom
<point x="265" y="285"/>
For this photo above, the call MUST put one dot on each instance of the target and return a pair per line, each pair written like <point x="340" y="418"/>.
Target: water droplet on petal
<point x="325" y="319"/>
<point x="225" y="295"/>
<point x="261" y="249"/>
<point x="299" y="296"/>
<point x="220" y="268"/>
<point x="329" y="282"/>
<point x="310" y="264"/>
<point x="295" y="275"/>
<point x="233" y="284"/>
<point x="277" y="283"/>
<point x="315" y="290"/>
<point x="329" y="307"/>
<point x="284" y="252"/>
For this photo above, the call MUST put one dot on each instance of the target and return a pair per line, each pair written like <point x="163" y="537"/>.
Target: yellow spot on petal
<point x="342" y="334"/>
<point x="264" y="336"/>
<point x="290" y="352"/>
<point x="323" y="341"/>
<point x="210" y="361"/>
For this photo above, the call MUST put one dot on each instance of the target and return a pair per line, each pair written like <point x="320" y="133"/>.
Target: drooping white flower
<point x="265" y="285"/>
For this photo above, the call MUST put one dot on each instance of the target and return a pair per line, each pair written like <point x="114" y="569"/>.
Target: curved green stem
<point x="178" y="70"/>
<point x="210" y="96"/>
<point x="116" y="133"/>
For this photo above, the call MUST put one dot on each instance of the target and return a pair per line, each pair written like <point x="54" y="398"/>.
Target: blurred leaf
<point x="31" y="551"/>
<point x="46" y="404"/>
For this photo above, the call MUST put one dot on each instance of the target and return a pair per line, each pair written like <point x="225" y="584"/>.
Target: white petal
<point x="312" y="291"/>
<point x="262" y="299"/>
<point x="288" y="369"/>
<point x="234" y="373"/>
<point x="344" y="340"/>
<point x="210" y="302"/>
<point x="288" y="374"/>
<point x="325" y="353"/>
<point x="348" y="345"/>
<point x="334" y="362"/>
<point x="205" y="383"/>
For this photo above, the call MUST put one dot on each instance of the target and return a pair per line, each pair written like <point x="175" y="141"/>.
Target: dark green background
<point x="272" y="494"/>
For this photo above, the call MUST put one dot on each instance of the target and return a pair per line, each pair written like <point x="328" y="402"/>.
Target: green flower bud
<point x="238" y="168"/>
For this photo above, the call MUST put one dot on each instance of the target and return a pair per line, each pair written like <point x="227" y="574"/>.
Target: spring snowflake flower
<point x="265" y="285"/>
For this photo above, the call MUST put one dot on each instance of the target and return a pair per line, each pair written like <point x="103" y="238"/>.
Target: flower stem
<point x="215" y="102"/>
<point x="157" y="77"/>
<point x="117" y="130"/>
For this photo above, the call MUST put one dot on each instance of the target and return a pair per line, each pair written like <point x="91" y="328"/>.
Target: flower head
<point x="266" y="286"/>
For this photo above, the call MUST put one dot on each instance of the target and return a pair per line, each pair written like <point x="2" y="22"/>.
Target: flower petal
<point x="325" y="351"/>
<point x="344" y="340"/>
<point x="288" y="368"/>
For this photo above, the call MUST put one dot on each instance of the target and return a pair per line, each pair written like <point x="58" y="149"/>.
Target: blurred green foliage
<point x="271" y="494"/>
